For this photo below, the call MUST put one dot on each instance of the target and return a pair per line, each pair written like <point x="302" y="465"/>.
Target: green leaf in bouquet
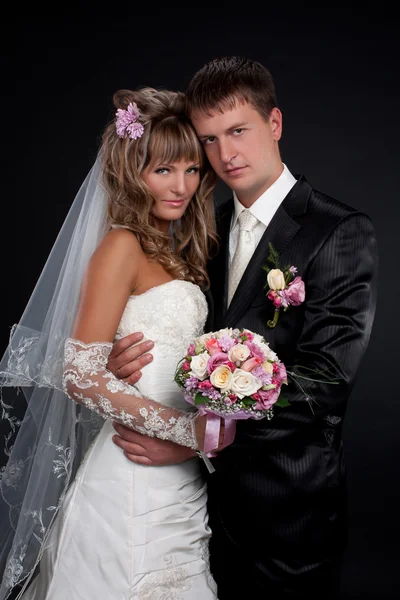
<point x="200" y="399"/>
<point x="178" y="377"/>
<point x="247" y="401"/>
<point x="199" y="349"/>
<point x="282" y="402"/>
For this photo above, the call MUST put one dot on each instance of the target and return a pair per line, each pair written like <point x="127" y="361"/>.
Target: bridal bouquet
<point x="233" y="374"/>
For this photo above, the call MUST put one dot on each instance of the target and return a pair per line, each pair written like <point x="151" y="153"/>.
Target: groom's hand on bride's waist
<point x="128" y="356"/>
<point x="151" y="451"/>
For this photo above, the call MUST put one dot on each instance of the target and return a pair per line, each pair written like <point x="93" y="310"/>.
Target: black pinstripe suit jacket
<point x="279" y="490"/>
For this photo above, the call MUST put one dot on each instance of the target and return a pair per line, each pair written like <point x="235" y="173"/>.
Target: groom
<point x="277" y="500"/>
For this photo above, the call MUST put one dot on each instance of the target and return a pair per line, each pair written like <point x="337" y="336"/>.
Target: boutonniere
<point x="284" y="287"/>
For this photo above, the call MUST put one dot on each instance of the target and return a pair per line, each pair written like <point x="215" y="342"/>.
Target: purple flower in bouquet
<point x="191" y="383"/>
<point x="255" y="350"/>
<point x="226" y="343"/>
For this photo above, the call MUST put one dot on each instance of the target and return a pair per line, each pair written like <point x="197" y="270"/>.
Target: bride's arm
<point x="111" y="276"/>
<point x="87" y="381"/>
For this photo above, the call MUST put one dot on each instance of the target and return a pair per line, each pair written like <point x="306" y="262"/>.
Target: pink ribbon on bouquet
<point x="212" y="434"/>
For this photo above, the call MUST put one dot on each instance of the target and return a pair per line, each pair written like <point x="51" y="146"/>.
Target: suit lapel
<point x="280" y="232"/>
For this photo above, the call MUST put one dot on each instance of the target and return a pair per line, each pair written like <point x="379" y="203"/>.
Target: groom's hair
<point x="223" y="82"/>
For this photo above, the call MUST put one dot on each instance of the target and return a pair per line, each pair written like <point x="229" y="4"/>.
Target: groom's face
<point x="242" y="147"/>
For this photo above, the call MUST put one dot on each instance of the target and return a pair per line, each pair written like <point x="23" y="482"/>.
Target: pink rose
<point x="191" y="350"/>
<point x="282" y="372"/>
<point x="255" y="350"/>
<point x="248" y="334"/>
<point x="295" y="292"/>
<point x="213" y="346"/>
<point x="267" y="399"/>
<point x="186" y="366"/>
<point x="205" y="385"/>
<point x="272" y="295"/>
<point x="231" y="399"/>
<point x="217" y="359"/>
<point x="250" y="363"/>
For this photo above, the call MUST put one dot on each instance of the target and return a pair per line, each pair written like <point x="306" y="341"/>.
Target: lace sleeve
<point x="87" y="381"/>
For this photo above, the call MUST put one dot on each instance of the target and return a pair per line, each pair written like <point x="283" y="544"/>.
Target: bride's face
<point x="173" y="185"/>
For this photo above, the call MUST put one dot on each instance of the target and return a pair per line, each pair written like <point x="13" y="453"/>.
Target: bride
<point x="82" y="520"/>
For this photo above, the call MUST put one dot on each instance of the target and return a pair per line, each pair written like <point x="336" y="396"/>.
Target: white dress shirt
<point x="263" y="208"/>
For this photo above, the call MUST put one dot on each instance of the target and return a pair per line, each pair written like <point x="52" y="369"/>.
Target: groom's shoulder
<point x="223" y="206"/>
<point x="324" y="207"/>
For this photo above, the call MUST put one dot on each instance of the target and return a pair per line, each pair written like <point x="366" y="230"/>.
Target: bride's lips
<point x="175" y="202"/>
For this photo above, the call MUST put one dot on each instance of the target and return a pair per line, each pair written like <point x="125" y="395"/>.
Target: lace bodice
<point x="171" y="314"/>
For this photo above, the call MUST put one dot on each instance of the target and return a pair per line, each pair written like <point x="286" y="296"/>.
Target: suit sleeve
<point x="339" y="313"/>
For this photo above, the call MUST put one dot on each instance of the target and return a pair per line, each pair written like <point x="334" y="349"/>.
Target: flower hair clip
<point x="284" y="289"/>
<point x="127" y="124"/>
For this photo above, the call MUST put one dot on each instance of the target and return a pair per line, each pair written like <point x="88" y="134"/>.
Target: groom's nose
<point x="226" y="150"/>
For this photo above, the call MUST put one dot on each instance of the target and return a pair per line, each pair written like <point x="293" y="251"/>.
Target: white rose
<point x="238" y="353"/>
<point x="198" y="365"/>
<point x="203" y="338"/>
<point x="244" y="383"/>
<point x="276" y="279"/>
<point x="267" y="366"/>
<point x="270" y="354"/>
<point x="224" y="332"/>
<point x="221" y="378"/>
<point x="258" y="339"/>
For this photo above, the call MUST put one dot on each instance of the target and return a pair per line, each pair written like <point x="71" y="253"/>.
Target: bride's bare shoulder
<point x="121" y="239"/>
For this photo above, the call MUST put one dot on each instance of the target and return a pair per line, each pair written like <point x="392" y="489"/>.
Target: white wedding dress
<point x="127" y="531"/>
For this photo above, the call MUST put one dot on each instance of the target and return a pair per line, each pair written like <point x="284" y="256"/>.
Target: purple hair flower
<point x="126" y="124"/>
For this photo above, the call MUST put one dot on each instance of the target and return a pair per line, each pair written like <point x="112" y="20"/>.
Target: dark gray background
<point x="337" y="79"/>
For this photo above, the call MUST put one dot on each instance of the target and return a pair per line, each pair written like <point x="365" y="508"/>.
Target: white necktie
<point x="244" y="250"/>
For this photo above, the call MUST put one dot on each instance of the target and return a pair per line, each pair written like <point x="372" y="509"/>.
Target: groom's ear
<point x="275" y="120"/>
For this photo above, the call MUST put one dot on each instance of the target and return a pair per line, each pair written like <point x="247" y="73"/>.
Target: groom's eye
<point x="209" y="140"/>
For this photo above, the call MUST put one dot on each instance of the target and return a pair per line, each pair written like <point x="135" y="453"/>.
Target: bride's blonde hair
<point x="167" y="137"/>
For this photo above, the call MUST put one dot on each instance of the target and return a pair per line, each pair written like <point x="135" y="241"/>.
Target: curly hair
<point x="168" y="137"/>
